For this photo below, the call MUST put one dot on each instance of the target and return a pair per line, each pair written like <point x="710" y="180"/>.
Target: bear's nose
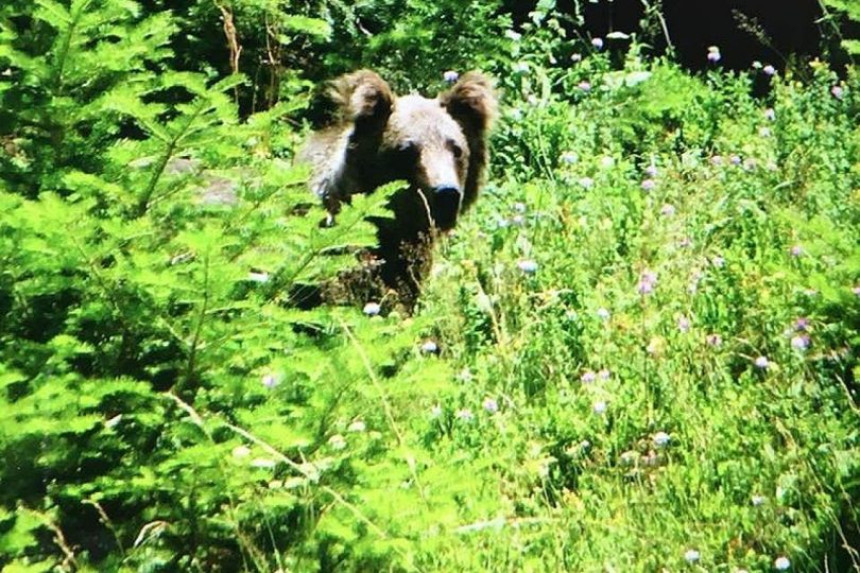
<point x="446" y="205"/>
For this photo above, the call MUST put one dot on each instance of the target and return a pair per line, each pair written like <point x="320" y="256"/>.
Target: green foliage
<point x="851" y="11"/>
<point x="642" y="342"/>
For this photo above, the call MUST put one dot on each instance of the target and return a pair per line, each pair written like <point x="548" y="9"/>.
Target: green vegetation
<point x="637" y="353"/>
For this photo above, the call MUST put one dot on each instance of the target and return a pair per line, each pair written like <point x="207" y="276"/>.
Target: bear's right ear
<point x="363" y="98"/>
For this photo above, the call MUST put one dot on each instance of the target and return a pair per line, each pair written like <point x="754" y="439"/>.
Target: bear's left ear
<point x="472" y="102"/>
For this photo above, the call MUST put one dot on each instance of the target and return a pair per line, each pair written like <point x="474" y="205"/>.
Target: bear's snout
<point x="446" y="205"/>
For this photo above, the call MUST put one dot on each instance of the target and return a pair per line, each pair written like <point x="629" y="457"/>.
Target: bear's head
<point x="438" y="145"/>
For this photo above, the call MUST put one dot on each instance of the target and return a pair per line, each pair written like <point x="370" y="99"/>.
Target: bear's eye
<point x="455" y="149"/>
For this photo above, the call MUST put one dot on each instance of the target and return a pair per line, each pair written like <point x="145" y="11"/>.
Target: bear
<point x="438" y="146"/>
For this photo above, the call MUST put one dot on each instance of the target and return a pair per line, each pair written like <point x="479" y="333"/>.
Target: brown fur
<point x="439" y="146"/>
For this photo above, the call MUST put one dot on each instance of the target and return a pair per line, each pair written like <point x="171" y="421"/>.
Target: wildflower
<point x="684" y="324"/>
<point x="645" y="287"/>
<point x="667" y="210"/>
<point x="837" y="92"/>
<point x="357" y="427"/>
<point x="801" y="324"/>
<point x="800" y="342"/>
<point x="856" y="290"/>
<point x="587" y="182"/>
<point x="528" y="266"/>
<point x="756" y="65"/>
<point x="372" y="309"/>
<point x="686" y="242"/>
<point x="518" y="220"/>
<point x="519" y="207"/>
<point x="270" y="381"/>
<point x="757" y="500"/>
<point x="451" y="76"/>
<point x="588" y="377"/>
<point x="769" y="70"/>
<point x="599" y="407"/>
<point x="782" y="563"/>
<point x="718" y="261"/>
<point x="769" y="114"/>
<point x="241" y="452"/>
<point x="430" y="347"/>
<point x="576" y="57"/>
<point x="604" y="374"/>
<point x="597" y="43"/>
<point x="764" y="132"/>
<point x="337" y="442"/>
<point x="607" y="161"/>
<point x="647" y="282"/>
<point x="661" y="439"/>
<point x="716" y="160"/>
<point x="735" y="159"/>
<point x="651" y="170"/>
<point x="491" y="406"/>
<point x="714" y="340"/>
<point x="603" y="314"/>
<point x="465" y="375"/>
<point x="714" y="55"/>
<point x="464" y="414"/>
<point x="258" y="277"/>
<point x="653" y="347"/>
<point x="584" y="86"/>
<point x="761" y="362"/>
<point x="436" y="411"/>
<point x="691" y="556"/>
<point x="796" y="251"/>
<point x="569" y="157"/>
<point x="648" y="185"/>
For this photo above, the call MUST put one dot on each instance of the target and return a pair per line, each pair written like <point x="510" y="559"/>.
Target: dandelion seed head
<point x="527" y="266"/>
<point x="661" y="439"/>
<point x="372" y="309"/>
<point x="429" y="347"/>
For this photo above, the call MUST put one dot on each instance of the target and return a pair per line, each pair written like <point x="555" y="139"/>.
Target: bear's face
<point x="438" y="145"/>
<point x="425" y="146"/>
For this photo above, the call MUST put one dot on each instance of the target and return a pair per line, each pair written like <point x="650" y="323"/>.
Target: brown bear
<point x="439" y="146"/>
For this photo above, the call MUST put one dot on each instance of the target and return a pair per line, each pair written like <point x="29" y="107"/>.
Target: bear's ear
<point x="362" y="97"/>
<point x="472" y="102"/>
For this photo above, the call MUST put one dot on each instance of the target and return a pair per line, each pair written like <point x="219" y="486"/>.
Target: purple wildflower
<point x="584" y="86"/>
<point x="714" y="55"/>
<point x="491" y="406"/>
<point x="796" y="251"/>
<point x="769" y="70"/>
<point x="837" y="92"/>
<point x="451" y="76"/>
<point x="648" y="185"/>
<point x="800" y="342"/>
<point x="667" y="210"/>
<point x="714" y="340"/>
<point x="684" y="324"/>
<point x="762" y="362"/>
<point x="597" y="43"/>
